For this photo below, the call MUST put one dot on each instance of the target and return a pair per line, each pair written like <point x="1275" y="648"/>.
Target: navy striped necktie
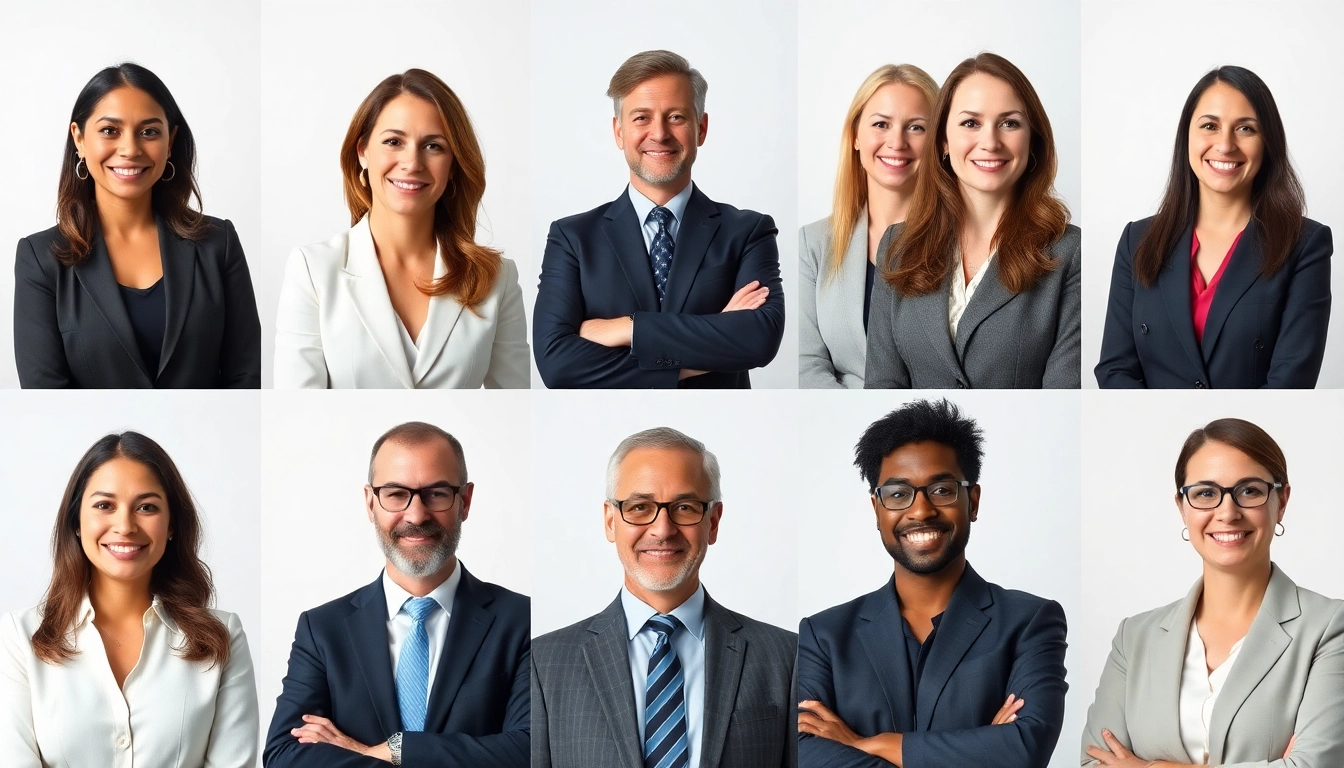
<point x="660" y="249"/>
<point x="665" y="742"/>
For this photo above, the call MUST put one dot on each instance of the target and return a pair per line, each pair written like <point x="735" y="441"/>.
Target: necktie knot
<point x="420" y="608"/>
<point x="664" y="624"/>
<point x="661" y="216"/>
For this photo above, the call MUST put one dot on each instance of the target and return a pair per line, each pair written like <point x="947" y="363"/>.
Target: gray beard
<point x="648" y="177"/>
<point x="432" y="559"/>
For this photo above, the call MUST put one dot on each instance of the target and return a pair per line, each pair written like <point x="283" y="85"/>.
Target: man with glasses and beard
<point x="938" y="668"/>
<point x="665" y="677"/>
<point x="426" y="666"/>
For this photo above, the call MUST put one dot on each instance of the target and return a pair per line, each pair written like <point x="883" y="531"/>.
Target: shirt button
<point x="1143" y="328"/>
<point x="123" y="742"/>
<point x="1199" y="384"/>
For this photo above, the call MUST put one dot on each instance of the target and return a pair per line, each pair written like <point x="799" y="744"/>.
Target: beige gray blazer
<point x="831" y="340"/>
<point x="1288" y="679"/>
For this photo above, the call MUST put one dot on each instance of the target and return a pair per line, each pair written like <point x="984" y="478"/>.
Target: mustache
<point x="931" y="526"/>
<point x="427" y="530"/>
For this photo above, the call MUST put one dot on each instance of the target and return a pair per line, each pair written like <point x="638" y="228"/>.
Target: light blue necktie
<point x="413" y="665"/>
<point x="665" y="742"/>
<point x="660" y="249"/>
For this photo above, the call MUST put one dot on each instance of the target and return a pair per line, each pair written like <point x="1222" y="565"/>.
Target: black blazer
<point x="340" y="668"/>
<point x="596" y="266"/>
<point x="71" y="328"/>
<point x="990" y="642"/>
<point x="1260" y="332"/>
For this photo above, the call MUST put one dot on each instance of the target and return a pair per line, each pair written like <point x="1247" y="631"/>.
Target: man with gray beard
<point x="427" y="665"/>
<point x="665" y="677"/>
<point x="662" y="287"/>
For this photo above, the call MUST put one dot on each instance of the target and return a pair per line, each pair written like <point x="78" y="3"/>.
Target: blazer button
<point x="1199" y="384"/>
<point x="1143" y="328"/>
<point x="1259" y="344"/>
<point x="961" y="384"/>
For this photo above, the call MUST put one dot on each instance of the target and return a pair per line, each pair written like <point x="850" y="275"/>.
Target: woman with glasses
<point x="1246" y="668"/>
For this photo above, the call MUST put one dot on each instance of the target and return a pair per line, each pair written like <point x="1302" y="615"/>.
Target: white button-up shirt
<point x="399" y="622"/>
<point x="169" y="713"/>
<point x="644" y="206"/>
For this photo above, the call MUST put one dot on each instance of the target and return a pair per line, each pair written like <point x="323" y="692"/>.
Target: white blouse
<point x="170" y="713"/>
<point x="1199" y="692"/>
<point x="960" y="291"/>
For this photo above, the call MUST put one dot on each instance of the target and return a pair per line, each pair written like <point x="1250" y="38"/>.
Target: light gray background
<point x="321" y="58"/>
<point x="50" y="50"/>
<point x="840" y="48"/>
<point x="751" y="569"/>
<point x="1027" y="534"/>
<point x="317" y="542"/>
<point x="1141" y="60"/>
<point x="1134" y="557"/>
<point x="211" y="437"/>
<point x="746" y="53"/>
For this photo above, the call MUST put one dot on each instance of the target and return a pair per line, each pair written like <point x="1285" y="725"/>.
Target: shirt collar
<point x="156" y="607"/>
<point x="690" y="613"/>
<point x="444" y="594"/>
<point x="643" y="205"/>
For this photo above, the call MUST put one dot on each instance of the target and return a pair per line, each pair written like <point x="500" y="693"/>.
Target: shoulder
<point x="814" y="241"/>
<point x="336" y="611"/>
<point x="1135" y="630"/>
<point x="840" y="618"/>
<point x="584" y="221"/>
<point x="507" y="277"/>
<point x="503" y="600"/>
<point x="740" y="218"/>
<point x="775" y="637"/>
<point x="41" y="246"/>
<point x="1135" y="230"/>
<point x="1019" y="603"/>
<point x="562" y="642"/>
<point x="22" y="624"/>
<point x="1069" y="244"/>
<point x="42" y="242"/>
<point x="1314" y="236"/>
<point x="330" y="252"/>
<point x="1320" y="608"/>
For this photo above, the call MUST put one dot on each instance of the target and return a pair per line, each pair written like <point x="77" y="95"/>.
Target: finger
<point x="316" y="719"/>
<point x="1289" y="750"/>
<point x="1097" y="753"/>
<point x="1114" y="744"/>
<point x="818" y="709"/>
<point x="307" y="736"/>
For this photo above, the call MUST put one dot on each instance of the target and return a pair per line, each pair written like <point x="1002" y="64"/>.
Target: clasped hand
<point x="617" y="331"/>
<point x="320" y="730"/>
<point x="818" y="720"/>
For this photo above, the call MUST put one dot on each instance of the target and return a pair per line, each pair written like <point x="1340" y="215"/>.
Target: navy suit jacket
<point x="340" y="668"/>
<point x="597" y="266"/>
<point x="990" y="642"/>
<point x="1260" y="332"/>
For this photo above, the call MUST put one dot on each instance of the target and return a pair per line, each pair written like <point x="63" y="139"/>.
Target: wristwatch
<point x="394" y="745"/>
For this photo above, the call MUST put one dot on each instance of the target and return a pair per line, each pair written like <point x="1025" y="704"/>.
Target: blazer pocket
<point x="757" y="713"/>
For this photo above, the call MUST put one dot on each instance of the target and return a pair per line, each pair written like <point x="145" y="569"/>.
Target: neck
<point x="928" y="593"/>
<point x="1223" y="213"/>
<point x="404" y="240"/>
<point x="1233" y="595"/>
<point x="664" y="601"/>
<point x="419" y="587"/>
<point x="886" y="206"/>
<point x="119" y="216"/>
<point x="981" y="213"/>
<point x="660" y="194"/>
<point x="115" y="601"/>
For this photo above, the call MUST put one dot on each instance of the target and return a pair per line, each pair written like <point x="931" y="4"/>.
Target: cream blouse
<point x="960" y="291"/>
<point x="1199" y="692"/>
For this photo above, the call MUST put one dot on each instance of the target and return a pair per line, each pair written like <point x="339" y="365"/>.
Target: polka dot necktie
<point x="660" y="250"/>
<point x="413" y="665"/>
<point x="665" y="741"/>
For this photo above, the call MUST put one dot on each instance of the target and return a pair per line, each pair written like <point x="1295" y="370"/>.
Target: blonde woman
<point x="880" y="145"/>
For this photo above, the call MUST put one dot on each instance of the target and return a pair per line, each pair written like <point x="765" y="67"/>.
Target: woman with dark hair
<point x="1228" y="285"/>
<point x="981" y="283"/>
<point x="1245" y="670"/>
<point x="406" y="298"/>
<point x="124" y="662"/>
<point x="134" y="288"/>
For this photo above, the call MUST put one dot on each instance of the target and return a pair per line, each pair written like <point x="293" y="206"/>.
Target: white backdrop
<point x="750" y="570"/>
<point x="841" y="47"/>
<point x="1134" y="557"/>
<point x="317" y="541"/>
<point x="207" y="56"/>
<point x="1026" y="537"/>
<point x="745" y="52"/>
<point x="1142" y="58"/>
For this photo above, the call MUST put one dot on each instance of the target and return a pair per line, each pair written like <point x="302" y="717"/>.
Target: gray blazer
<point x="583" y="700"/>
<point x="831" y="339"/>
<point x="1028" y="340"/>
<point x="1288" y="678"/>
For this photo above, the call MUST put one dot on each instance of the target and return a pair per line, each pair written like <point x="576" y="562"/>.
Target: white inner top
<point x="960" y="292"/>
<point x="1199" y="692"/>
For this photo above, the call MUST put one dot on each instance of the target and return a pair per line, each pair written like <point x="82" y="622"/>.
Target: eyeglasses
<point x="898" y="496"/>
<point x="645" y="511"/>
<point x="436" y="498"/>
<point x="1247" y="495"/>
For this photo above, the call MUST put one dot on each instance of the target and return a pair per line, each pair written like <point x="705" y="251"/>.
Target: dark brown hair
<point x="471" y="268"/>
<point x="417" y="433"/>
<point x="918" y="261"/>
<point x="76" y="211"/>
<point x="180" y="580"/>
<point x="1277" y="199"/>
<point x="1242" y="435"/>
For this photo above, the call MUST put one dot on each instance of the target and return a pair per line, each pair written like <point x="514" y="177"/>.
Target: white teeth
<point x="407" y="185"/>
<point x="125" y="548"/>
<point x="128" y="171"/>
<point x="988" y="163"/>
<point x="1229" y="536"/>
<point x="1222" y="166"/>
<point x="922" y="537"/>
<point x="897" y="162"/>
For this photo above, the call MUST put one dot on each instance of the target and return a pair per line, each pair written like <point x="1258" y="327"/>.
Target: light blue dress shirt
<point x="644" y="206"/>
<point x="690" y="648"/>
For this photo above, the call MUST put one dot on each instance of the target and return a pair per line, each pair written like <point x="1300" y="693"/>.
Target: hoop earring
<point x="363" y="180"/>
<point x="1031" y="162"/>
<point x="1279" y="530"/>
<point x="172" y="168"/>
<point x="1185" y="534"/>
<point x="86" y="169"/>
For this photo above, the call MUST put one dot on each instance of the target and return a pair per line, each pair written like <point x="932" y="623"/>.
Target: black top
<point x="147" y="309"/>
<point x="916" y="653"/>
<point x="868" y="293"/>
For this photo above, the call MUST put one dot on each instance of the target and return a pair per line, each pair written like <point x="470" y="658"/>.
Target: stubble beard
<point x="425" y="559"/>
<point x="925" y="566"/>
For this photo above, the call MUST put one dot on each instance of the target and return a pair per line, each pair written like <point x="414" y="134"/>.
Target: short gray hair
<point x="651" y="64"/>
<point x="666" y="438"/>
<point x="416" y="433"/>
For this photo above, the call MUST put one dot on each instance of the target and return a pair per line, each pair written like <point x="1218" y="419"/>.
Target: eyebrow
<point x="936" y="478"/>
<point x="1246" y="119"/>
<point x="404" y="487"/>
<point x="396" y="132"/>
<point x="650" y="496"/>
<point x="1234" y="485"/>
<point x="119" y="121"/>
<point x="1017" y="112"/>
<point x="145" y="495"/>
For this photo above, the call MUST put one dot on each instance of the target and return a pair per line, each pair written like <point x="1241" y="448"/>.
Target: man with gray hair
<point x="662" y="287"/>
<point x="665" y="677"/>
<point x="427" y="665"/>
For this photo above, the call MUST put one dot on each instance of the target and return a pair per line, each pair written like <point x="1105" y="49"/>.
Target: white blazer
<point x="336" y="328"/>
<point x="170" y="713"/>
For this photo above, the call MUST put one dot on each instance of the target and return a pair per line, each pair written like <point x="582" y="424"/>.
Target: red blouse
<point x="1201" y="295"/>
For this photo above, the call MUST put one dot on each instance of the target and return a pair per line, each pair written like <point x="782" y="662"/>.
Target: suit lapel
<point x="1174" y="284"/>
<point x="1243" y="268"/>
<point x="961" y="625"/>
<point x="989" y="296"/>
<point x="467" y="628"/>
<point x="930" y="312"/>
<point x="1163" y="681"/>
<point x="725" y="653"/>
<point x="607" y="654"/>
<point x="883" y="640"/>
<point x="699" y="223"/>
<point x="179" y="277"/>
<point x="367" y="632"/>
<point x="1264" y="643"/>
<point x="367" y="290"/>
<point x="95" y="277"/>
<point x="439" y="323"/>
<point x="622" y="230"/>
<point x="853" y="281"/>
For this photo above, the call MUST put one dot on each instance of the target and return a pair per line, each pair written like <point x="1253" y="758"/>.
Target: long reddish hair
<point x="918" y="261"/>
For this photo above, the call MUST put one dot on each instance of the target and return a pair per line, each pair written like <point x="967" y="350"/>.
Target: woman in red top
<point x="1229" y="284"/>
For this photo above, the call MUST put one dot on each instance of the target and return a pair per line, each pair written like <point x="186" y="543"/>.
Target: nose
<point x="1227" y="509"/>
<point x="896" y="139"/>
<point x="1227" y="140"/>
<point x="416" y="513"/>
<point x="662" y="526"/>
<point x="412" y="161"/>
<point x="658" y="130"/>
<point x="990" y="138"/>
<point x="123" y="521"/>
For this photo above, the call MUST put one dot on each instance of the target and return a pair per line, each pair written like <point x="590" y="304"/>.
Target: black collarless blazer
<point x="71" y="328"/>
<point x="1261" y="332"/>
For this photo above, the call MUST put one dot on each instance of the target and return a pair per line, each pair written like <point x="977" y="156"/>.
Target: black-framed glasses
<point x="436" y="498"/>
<point x="1247" y="495"/>
<point x="645" y="511"/>
<point x="899" y="496"/>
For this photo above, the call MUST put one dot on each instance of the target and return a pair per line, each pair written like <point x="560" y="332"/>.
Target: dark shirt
<point x="916" y="653"/>
<point x="148" y="310"/>
<point x="868" y="294"/>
